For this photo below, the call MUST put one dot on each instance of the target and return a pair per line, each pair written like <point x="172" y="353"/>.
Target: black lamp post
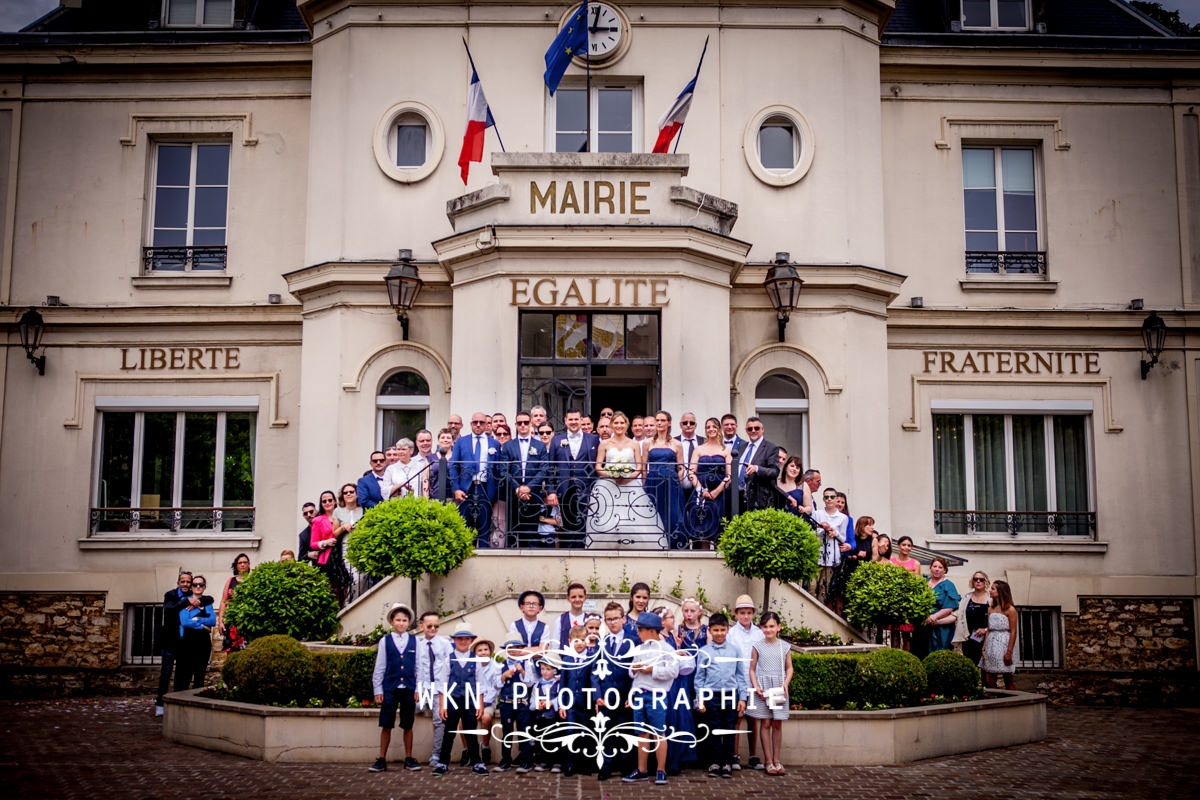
<point x="783" y="287"/>
<point x="403" y="285"/>
<point x="1154" y="337"/>
<point x="31" y="327"/>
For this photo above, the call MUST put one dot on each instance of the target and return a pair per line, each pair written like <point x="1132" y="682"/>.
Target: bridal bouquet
<point x="621" y="465"/>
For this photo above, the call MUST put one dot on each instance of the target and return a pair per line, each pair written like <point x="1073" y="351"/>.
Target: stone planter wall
<point x="826" y="738"/>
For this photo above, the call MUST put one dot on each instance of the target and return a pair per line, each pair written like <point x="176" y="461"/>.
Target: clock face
<point x="604" y="30"/>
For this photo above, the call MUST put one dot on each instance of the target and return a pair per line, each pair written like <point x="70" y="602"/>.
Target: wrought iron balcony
<point x="183" y="259"/>
<point x="987" y="262"/>
<point x="1053" y="523"/>
<point x="171" y="520"/>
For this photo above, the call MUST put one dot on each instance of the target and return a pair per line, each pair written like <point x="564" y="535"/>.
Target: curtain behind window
<point x="949" y="471"/>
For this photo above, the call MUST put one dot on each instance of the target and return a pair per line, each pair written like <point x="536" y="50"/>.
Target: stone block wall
<point x="1116" y="634"/>
<point x="57" y="630"/>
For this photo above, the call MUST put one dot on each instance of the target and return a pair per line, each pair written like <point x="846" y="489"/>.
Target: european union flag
<point x="571" y="41"/>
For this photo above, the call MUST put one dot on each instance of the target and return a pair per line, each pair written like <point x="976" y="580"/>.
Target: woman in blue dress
<point x="664" y="476"/>
<point x="939" y="626"/>
<point x="679" y="715"/>
<point x="709" y="471"/>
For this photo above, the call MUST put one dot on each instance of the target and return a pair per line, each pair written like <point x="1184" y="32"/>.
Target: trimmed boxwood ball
<point x="272" y="669"/>
<point x="290" y="598"/>
<point x="412" y="537"/>
<point x="337" y="677"/>
<point x="951" y="674"/>
<point x="891" y="677"/>
<point x="885" y="594"/>
<point x="769" y="544"/>
<point x="823" y="679"/>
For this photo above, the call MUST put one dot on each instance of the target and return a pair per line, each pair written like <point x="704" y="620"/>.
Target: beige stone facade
<point x="895" y="333"/>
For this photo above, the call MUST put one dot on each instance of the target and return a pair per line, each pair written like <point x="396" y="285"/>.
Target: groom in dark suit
<point x="472" y="476"/>
<point x="525" y="459"/>
<point x="759" y="469"/>
<point x="573" y="470"/>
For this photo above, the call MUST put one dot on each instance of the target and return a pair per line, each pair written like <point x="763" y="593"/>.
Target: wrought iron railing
<point x="1014" y="523"/>
<point x="657" y="507"/>
<point x="183" y="259"/>
<point x="989" y="262"/>
<point x="226" y="519"/>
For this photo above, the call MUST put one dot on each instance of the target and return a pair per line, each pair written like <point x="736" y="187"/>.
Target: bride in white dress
<point x="620" y="513"/>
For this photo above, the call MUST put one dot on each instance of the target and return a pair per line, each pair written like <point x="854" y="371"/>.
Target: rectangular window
<point x="190" y="204"/>
<point x="198" y="13"/>
<point x="1002" y="15"/>
<point x="1038" y="638"/>
<point x="172" y="470"/>
<point x="140" y="630"/>
<point x="615" y="118"/>
<point x="1012" y="473"/>
<point x="1000" y="211"/>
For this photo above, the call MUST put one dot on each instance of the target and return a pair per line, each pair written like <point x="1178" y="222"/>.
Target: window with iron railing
<point x="1038" y="637"/>
<point x="189" y="208"/>
<point x="141" y="628"/>
<point x="1000" y="212"/>
<point x="1013" y="473"/>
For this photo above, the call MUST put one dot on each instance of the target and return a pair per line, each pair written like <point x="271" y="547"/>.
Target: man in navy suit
<point x="525" y="461"/>
<point x="370" y="486"/>
<point x="759" y="470"/>
<point x="472" y="476"/>
<point x="736" y="445"/>
<point x="573" y="457"/>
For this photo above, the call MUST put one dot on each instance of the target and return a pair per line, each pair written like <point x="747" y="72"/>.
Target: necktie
<point x="429" y="644"/>
<point x="746" y="460"/>
<point x="691" y="443"/>
<point x="475" y="450"/>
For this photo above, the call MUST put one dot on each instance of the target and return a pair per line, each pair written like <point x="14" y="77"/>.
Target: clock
<point x="605" y="30"/>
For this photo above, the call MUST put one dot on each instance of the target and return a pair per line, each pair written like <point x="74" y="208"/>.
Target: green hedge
<point x="278" y="670"/>
<point x="823" y="679"/>
<point x="890" y="677"/>
<point x="290" y="598"/>
<point x="951" y="674"/>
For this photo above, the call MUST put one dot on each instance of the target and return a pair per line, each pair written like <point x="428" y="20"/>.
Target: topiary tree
<point x="951" y="673"/>
<point x="283" y="597"/>
<point x="891" y="677"/>
<point x="885" y="594"/>
<point x="769" y="544"/>
<point x="412" y="536"/>
<point x="272" y="669"/>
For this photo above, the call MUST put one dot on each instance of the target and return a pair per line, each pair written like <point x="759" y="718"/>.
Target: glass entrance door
<point x="588" y="361"/>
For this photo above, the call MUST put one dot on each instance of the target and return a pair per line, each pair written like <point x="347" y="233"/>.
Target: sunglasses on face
<point x="378" y="460"/>
<point x="754" y="428"/>
<point x="200" y="585"/>
<point x="546" y="433"/>
<point x="522" y="422"/>
<point x="349" y="491"/>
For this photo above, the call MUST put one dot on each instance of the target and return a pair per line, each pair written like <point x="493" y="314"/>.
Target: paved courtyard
<point x="113" y="748"/>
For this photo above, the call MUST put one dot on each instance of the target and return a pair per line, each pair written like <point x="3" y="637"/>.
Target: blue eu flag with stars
<point x="571" y="41"/>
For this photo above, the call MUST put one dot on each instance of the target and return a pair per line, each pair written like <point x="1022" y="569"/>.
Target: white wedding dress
<point x="622" y="517"/>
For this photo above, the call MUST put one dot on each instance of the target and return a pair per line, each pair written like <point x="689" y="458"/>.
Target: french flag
<point x="479" y="119"/>
<point x="672" y="121"/>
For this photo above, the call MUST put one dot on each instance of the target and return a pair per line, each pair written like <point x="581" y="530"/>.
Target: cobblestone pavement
<point x="113" y="748"/>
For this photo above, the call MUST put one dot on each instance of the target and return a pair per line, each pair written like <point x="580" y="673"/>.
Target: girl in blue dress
<point x="664" y="477"/>
<point x="710" y="475"/>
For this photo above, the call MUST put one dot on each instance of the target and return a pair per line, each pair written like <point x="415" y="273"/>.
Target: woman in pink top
<point x="906" y="560"/>
<point x="325" y="541"/>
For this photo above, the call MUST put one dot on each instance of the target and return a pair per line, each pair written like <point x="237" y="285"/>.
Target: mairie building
<point x="991" y="210"/>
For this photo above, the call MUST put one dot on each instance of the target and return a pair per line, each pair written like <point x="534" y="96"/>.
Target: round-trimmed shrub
<point x="823" y="679"/>
<point x="412" y="536"/>
<point x="769" y="544"/>
<point x="951" y="674"/>
<point x="290" y="598"/>
<point x="885" y="594"/>
<point x="272" y="669"/>
<point x="891" y="677"/>
<point x="339" y="676"/>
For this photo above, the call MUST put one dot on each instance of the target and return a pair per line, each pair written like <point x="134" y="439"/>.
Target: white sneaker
<point x="158" y="711"/>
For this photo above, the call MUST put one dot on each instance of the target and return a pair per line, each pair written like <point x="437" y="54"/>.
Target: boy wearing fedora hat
<point x="395" y="683"/>
<point x="654" y="669"/>
<point x="458" y="678"/>
<point x="743" y="634"/>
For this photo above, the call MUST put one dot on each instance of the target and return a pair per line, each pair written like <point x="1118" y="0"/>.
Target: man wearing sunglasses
<point x="370" y="486"/>
<point x="687" y="436"/>
<point x="304" y="543"/>
<point x="473" y="463"/>
<point x="758" y="469"/>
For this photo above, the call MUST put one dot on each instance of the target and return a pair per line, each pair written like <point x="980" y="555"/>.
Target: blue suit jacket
<point x="369" y="495"/>
<point x="463" y="466"/>
<point x="537" y="466"/>
<point x="580" y="468"/>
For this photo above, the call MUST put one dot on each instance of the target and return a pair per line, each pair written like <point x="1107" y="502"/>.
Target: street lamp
<point x="783" y="287"/>
<point x="31" y="327"/>
<point x="1154" y="337"/>
<point x="403" y="285"/>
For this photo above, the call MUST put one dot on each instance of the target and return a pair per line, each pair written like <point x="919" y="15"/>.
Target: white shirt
<point x="664" y="666"/>
<point x="441" y="649"/>
<point x="482" y="442"/>
<point x="399" y="474"/>
<point x="831" y="553"/>
<point x="744" y="639"/>
<point x="574" y="440"/>
<point x="401" y="642"/>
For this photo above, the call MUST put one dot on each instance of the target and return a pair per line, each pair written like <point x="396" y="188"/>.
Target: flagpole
<point x="587" y="58"/>
<point x="489" y="111"/>
<point x="696" y="80"/>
